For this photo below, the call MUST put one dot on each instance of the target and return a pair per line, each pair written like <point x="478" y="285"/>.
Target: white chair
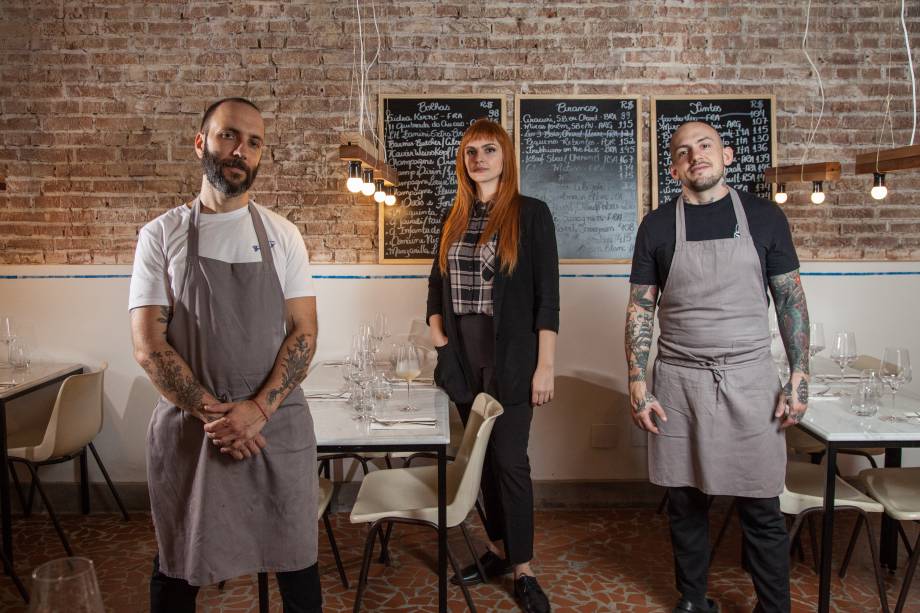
<point x="898" y="490"/>
<point x="76" y="419"/>
<point x="410" y="495"/>
<point x="325" y="497"/>
<point x="803" y="495"/>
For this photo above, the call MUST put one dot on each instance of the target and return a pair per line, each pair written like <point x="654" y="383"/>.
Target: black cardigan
<point x="525" y="302"/>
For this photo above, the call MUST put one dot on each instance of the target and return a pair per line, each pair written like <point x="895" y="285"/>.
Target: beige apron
<point x="714" y="375"/>
<point x="215" y="517"/>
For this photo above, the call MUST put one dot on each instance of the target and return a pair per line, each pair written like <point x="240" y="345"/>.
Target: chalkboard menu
<point x="580" y="155"/>
<point x="421" y="135"/>
<point x="746" y="123"/>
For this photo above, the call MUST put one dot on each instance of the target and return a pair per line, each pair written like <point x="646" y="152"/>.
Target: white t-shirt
<point x="159" y="262"/>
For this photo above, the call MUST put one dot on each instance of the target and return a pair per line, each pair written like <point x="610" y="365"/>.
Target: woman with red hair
<point x="493" y="309"/>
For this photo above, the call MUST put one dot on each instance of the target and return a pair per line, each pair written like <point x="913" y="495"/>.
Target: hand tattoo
<point x="645" y="403"/>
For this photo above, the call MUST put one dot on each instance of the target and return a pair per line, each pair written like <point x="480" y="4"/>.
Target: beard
<point x="706" y="182"/>
<point x="213" y="168"/>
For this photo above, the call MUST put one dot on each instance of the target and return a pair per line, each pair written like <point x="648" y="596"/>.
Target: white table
<point x="15" y="383"/>
<point x="338" y="432"/>
<point x="830" y="421"/>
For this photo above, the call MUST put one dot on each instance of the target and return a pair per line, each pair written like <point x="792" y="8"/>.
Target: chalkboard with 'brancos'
<point x="746" y="122"/>
<point x="421" y="134"/>
<point x="580" y="155"/>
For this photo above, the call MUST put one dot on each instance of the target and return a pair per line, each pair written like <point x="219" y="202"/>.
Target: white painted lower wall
<point x="79" y="314"/>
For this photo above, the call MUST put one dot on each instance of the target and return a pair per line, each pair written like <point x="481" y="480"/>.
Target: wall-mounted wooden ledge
<point x="821" y="171"/>
<point x="355" y="147"/>
<point x="888" y="160"/>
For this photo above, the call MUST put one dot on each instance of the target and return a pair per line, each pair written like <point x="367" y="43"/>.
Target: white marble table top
<point x="15" y="380"/>
<point x="829" y="417"/>
<point x="335" y="424"/>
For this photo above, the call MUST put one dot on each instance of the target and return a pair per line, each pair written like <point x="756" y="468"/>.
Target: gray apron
<point x="215" y="517"/>
<point x="714" y="375"/>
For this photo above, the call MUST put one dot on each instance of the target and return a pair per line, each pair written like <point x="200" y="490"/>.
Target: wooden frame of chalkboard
<point x="607" y="121"/>
<point x="410" y="168"/>
<point x="758" y="162"/>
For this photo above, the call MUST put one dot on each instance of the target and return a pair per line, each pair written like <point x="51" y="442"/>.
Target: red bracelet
<point x="259" y="406"/>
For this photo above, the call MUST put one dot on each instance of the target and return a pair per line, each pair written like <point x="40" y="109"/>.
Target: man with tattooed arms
<point x="717" y="412"/>
<point x="223" y="318"/>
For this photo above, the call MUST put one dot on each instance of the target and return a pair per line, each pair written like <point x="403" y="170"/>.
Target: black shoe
<point x="493" y="565"/>
<point x="685" y="606"/>
<point x="529" y="596"/>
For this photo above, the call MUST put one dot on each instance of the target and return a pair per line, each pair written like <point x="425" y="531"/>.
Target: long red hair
<point x="504" y="217"/>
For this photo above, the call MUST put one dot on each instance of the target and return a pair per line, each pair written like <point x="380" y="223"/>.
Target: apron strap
<point x="261" y="234"/>
<point x="680" y="228"/>
<point x="740" y="216"/>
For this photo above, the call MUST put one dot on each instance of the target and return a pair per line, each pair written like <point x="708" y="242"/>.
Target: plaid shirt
<point x="472" y="267"/>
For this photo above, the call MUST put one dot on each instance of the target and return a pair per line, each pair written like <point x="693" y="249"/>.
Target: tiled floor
<point x="595" y="560"/>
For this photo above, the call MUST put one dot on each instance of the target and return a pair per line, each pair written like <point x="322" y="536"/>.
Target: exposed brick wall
<point x="99" y="101"/>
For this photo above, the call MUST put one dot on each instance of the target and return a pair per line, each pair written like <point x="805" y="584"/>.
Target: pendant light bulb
<point x="879" y="191"/>
<point x="354" y="182"/>
<point x="368" y="187"/>
<point x="390" y="198"/>
<point x="781" y="196"/>
<point x="817" y="193"/>
<point x="379" y="194"/>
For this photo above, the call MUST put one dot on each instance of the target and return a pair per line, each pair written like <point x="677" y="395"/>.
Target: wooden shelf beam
<point x="821" y="171"/>
<point x="888" y="160"/>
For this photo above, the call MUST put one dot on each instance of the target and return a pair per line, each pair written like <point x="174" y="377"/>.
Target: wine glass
<point x="66" y="584"/>
<point x="7" y="335"/>
<point x="815" y="341"/>
<point x="844" y="350"/>
<point x="380" y="328"/>
<point x="408" y="368"/>
<point x="895" y="370"/>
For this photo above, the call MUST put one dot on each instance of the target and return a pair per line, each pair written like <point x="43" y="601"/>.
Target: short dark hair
<point x="210" y="110"/>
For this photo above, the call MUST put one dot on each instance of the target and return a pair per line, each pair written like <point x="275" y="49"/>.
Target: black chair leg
<point x="459" y="573"/>
<point x="482" y="514"/>
<point x="469" y="545"/>
<point x="908" y="577"/>
<point x="51" y="513"/>
<point x="386" y="459"/>
<point x="108" y="480"/>
<point x="813" y="534"/>
<point x="385" y="544"/>
<point x="846" y="558"/>
<point x="366" y="564"/>
<point x="335" y="549"/>
<point x="84" y="483"/>
<point x="263" y="592"/>
<point x="876" y="564"/>
<point x="26" y="511"/>
<point x="12" y="574"/>
<point x="905" y="540"/>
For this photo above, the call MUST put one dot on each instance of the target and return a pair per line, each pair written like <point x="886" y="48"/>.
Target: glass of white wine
<point x="408" y="368"/>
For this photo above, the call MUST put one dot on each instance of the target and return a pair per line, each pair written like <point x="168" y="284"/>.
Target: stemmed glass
<point x="895" y="370"/>
<point x="815" y="341"/>
<point x="66" y="584"/>
<point x="844" y="350"/>
<point x="380" y="329"/>
<point x="408" y="368"/>
<point x="7" y="335"/>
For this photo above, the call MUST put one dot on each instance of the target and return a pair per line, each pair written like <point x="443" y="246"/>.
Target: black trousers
<point x="300" y="591"/>
<point x="765" y="552"/>
<point x="507" y="491"/>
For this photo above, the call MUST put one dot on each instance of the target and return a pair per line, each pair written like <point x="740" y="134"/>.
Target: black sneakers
<point x="493" y="565"/>
<point x="530" y="596"/>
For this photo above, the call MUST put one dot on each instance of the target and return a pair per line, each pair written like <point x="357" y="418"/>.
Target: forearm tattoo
<point x="792" y="318"/>
<point x="294" y="367"/>
<point x="167" y="373"/>
<point x="640" y="321"/>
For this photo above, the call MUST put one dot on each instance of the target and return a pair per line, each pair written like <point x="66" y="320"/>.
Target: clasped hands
<point x="235" y="427"/>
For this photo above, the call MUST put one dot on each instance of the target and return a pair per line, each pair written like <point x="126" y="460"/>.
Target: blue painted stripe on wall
<point x="893" y="273"/>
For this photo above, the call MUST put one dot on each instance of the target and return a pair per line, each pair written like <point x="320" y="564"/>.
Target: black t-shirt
<point x="655" y="240"/>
